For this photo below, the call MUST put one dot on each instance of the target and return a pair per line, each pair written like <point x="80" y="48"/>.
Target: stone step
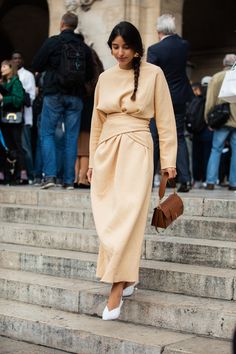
<point x="78" y="333"/>
<point x="73" y="239"/>
<point x="10" y="346"/>
<point x="199" y="345"/>
<point x="191" y="251"/>
<point x="196" y="227"/>
<point x="196" y="203"/>
<point x="44" y="290"/>
<point x="163" y="248"/>
<point x="154" y="275"/>
<point x="194" y="345"/>
<point x="209" y="317"/>
<point x="56" y="198"/>
<point x="158" y="309"/>
<point x="199" y="227"/>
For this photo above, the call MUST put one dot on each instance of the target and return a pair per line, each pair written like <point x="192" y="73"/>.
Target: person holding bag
<point x="127" y="96"/>
<point x="11" y="114"/>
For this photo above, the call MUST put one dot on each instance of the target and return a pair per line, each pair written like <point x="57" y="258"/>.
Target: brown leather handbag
<point x="168" y="210"/>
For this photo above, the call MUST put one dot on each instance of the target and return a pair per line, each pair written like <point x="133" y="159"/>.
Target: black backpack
<point x="195" y="121"/>
<point x="72" y="68"/>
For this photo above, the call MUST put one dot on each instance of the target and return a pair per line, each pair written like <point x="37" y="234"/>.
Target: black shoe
<point x="210" y="186"/>
<point x="232" y="188"/>
<point x="69" y="187"/>
<point x="83" y="185"/>
<point x="48" y="183"/>
<point x="59" y="182"/>
<point x="183" y="188"/>
<point x="37" y="181"/>
<point x="24" y="182"/>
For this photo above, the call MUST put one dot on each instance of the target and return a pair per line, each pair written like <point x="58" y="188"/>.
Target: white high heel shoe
<point x="113" y="314"/>
<point x="129" y="290"/>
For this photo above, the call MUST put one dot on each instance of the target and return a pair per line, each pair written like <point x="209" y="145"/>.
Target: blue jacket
<point x="171" y="55"/>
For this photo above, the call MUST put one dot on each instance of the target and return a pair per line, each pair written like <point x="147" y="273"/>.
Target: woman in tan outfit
<point x="121" y="159"/>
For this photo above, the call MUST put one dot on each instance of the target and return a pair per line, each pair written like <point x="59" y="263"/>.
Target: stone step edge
<point x="194" y="194"/>
<point x="101" y="289"/>
<point x="89" y="211"/>
<point x="14" y="346"/>
<point x="194" y="345"/>
<point x="92" y="257"/>
<point x="149" y="237"/>
<point x="215" y="318"/>
<point x="70" y="284"/>
<point x="83" y="331"/>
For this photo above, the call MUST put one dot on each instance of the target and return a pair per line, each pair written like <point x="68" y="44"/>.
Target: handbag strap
<point x="163" y="183"/>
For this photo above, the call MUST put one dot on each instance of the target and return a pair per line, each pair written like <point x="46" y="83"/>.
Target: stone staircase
<point x="186" y="299"/>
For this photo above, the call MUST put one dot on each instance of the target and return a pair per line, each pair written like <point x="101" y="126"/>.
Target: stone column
<point x="143" y="15"/>
<point x="97" y="23"/>
<point x="56" y="10"/>
<point x="174" y="7"/>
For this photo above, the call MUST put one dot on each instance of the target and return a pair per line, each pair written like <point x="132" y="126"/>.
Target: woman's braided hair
<point x="132" y="38"/>
<point x="136" y="66"/>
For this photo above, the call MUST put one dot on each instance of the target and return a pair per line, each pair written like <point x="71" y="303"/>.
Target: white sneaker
<point x="113" y="314"/>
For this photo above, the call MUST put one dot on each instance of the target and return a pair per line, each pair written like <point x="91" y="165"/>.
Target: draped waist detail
<point x="119" y="123"/>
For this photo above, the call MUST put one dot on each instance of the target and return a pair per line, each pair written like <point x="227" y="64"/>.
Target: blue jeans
<point x="68" y="109"/>
<point x="38" y="163"/>
<point x="60" y="147"/>
<point x="27" y="147"/>
<point x="219" y="138"/>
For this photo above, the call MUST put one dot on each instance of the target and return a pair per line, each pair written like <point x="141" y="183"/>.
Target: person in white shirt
<point x="28" y="81"/>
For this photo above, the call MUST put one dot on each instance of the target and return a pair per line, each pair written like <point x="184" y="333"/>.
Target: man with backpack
<point x="68" y="65"/>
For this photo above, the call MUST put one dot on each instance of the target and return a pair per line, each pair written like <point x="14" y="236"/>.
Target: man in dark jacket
<point x="62" y="101"/>
<point x="171" y="55"/>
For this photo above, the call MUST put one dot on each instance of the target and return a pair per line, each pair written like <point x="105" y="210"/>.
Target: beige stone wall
<point x="174" y="7"/>
<point x="56" y="10"/>
<point x="97" y="23"/>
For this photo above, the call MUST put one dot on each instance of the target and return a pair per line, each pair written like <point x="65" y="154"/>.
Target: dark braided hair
<point x="132" y="38"/>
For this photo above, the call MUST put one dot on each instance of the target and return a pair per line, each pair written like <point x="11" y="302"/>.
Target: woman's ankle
<point x="115" y="295"/>
<point x="127" y="284"/>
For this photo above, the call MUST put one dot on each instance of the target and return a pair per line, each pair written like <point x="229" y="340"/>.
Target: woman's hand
<point x="171" y="172"/>
<point x="89" y="174"/>
<point x="1" y="97"/>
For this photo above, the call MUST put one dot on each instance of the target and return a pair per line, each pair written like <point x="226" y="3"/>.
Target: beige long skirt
<point x="120" y="195"/>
